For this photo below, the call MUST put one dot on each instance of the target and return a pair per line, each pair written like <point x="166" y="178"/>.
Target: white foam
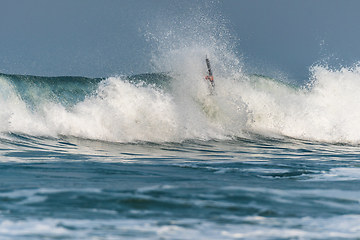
<point x="124" y="112"/>
<point x="334" y="198"/>
<point x="345" y="226"/>
<point x="121" y="111"/>
<point x="37" y="195"/>
<point x="326" y="111"/>
<point x="255" y="227"/>
<point x="47" y="227"/>
<point x="155" y="188"/>
<point x="337" y="174"/>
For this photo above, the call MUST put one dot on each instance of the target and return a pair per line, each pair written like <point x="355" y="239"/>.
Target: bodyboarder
<point x="210" y="75"/>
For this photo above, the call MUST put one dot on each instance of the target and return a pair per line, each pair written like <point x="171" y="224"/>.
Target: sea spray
<point x="119" y="111"/>
<point x="16" y="115"/>
<point x="335" y="96"/>
<point x="125" y="109"/>
<point x="180" y="45"/>
<point x="125" y="112"/>
<point x="175" y="105"/>
<point x="325" y="110"/>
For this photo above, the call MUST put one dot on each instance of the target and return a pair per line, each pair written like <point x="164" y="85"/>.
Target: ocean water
<point x="161" y="156"/>
<point x="148" y="157"/>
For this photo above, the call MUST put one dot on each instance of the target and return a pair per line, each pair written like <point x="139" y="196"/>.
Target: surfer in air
<point x="210" y="76"/>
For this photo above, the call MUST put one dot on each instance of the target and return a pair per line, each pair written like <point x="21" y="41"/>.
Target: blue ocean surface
<point x="157" y="156"/>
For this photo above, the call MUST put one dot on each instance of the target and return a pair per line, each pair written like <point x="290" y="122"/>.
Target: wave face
<point x="176" y="107"/>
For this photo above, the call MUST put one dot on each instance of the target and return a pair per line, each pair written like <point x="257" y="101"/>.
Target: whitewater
<point x="168" y="108"/>
<point x="157" y="156"/>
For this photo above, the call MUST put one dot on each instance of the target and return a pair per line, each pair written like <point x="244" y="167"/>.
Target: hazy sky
<point x="101" y="38"/>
